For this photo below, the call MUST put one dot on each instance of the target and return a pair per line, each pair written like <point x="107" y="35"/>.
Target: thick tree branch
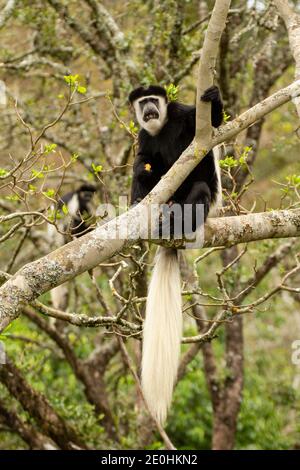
<point x="28" y="283"/>
<point x="25" y="430"/>
<point x="86" y="34"/>
<point x="229" y="231"/>
<point x="292" y="23"/>
<point x="39" y="408"/>
<point x="107" y="26"/>
<point x="7" y="11"/>
<point x="207" y="70"/>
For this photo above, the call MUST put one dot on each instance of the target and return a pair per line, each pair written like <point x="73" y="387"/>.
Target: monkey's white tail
<point x="60" y="297"/>
<point x="162" y="333"/>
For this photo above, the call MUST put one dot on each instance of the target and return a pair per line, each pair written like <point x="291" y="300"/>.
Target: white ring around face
<point x="154" y="125"/>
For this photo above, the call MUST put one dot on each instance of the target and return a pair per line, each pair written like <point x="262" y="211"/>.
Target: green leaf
<point x="172" y="92"/>
<point x="3" y="172"/>
<point x="132" y="127"/>
<point x="226" y="116"/>
<point x="14" y="197"/>
<point x="293" y="180"/>
<point x="71" y="80"/>
<point x="81" y="89"/>
<point x="37" y="174"/>
<point x="50" y="192"/>
<point x="74" y="83"/>
<point x="74" y="157"/>
<point x="65" y="209"/>
<point x="49" y="148"/>
<point x="97" y="168"/>
<point x="228" y="162"/>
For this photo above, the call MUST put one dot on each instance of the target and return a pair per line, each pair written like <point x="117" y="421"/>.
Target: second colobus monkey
<point x="79" y="209"/>
<point x="74" y="224"/>
<point x="167" y="129"/>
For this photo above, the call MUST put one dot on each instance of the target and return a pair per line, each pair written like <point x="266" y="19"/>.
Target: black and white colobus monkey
<point x="74" y="224"/>
<point x="166" y="131"/>
<point x="79" y="209"/>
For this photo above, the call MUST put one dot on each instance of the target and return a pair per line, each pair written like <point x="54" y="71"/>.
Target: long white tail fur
<point x="60" y="296"/>
<point x="162" y="333"/>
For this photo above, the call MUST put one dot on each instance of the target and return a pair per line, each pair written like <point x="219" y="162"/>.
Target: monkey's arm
<point x="193" y="214"/>
<point x="212" y="94"/>
<point x="145" y="177"/>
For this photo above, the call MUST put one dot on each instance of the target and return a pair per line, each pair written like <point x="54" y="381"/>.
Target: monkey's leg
<point x="200" y="195"/>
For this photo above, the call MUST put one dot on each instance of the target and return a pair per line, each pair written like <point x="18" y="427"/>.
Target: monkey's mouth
<point x="151" y="115"/>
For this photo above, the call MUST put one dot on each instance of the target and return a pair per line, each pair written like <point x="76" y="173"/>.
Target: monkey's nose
<point x="150" y="115"/>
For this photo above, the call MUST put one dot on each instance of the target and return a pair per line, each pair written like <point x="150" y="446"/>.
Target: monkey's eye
<point x="143" y="102"/>
<point x="86" y="195"/>
<point x="154" y="101"/>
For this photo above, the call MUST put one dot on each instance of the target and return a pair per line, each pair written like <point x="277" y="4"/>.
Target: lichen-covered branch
<point x="107" y="26"/>
<point x="83" y="254"/>
<point x="7" y="11"/>
<point x="229" y="231"/>
<point x="207" y="70"/>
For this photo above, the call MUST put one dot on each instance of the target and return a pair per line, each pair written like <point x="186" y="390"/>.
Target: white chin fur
<point x="153" y="126"/>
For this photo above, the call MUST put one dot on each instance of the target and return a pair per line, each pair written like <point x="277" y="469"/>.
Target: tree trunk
<point x="227" y="406"/>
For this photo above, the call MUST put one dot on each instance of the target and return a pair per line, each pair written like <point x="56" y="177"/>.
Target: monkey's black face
<point x="149" y="108"/>
<point x="85" y="196"/>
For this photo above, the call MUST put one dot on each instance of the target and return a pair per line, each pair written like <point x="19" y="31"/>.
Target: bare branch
<point x="207" y="70"/>
<point x="7" y="11"/>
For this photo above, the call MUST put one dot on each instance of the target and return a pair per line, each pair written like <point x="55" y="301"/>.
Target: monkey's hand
<point x="211" y="94"/>
<point x="144" y="172"/>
